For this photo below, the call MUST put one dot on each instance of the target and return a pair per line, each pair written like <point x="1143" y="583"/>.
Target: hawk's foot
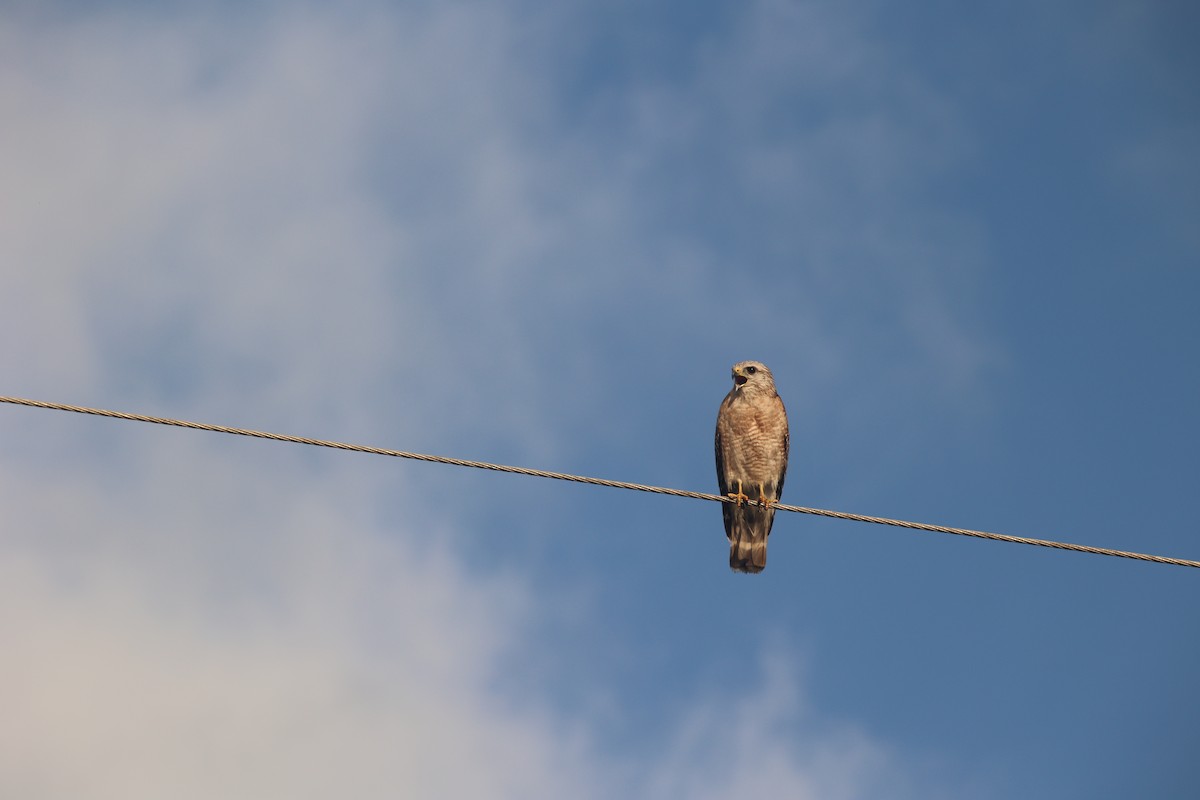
<point x="739" y="496"/>
<point x="763" y="500"/>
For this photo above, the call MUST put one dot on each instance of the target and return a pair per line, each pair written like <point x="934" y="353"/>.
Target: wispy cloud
<point x="346" y="228"/>
<point x="269" y="646"/>
<point x="292" y="653"/>
<point x="758" y="738"/>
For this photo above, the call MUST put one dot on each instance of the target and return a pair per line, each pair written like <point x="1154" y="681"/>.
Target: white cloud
<point x="210" y="207"/>
<point x="332" y="227"/>
<point x="280" y="649"/>
<point x="211" y="626"/>
<point x="757" y="739"/>
<point x="387" y="194"/>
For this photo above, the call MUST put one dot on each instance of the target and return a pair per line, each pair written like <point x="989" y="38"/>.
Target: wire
<point x="638" y="487"/>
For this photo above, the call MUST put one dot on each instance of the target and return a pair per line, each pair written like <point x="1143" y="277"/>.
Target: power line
<point x="638" y="487"/>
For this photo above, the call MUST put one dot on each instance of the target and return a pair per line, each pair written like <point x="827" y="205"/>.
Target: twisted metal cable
<point x="637" y="487"/>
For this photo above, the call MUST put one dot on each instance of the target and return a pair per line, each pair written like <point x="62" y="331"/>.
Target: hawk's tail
<point x="748" y="556"/>
<point x="748" y="528"/>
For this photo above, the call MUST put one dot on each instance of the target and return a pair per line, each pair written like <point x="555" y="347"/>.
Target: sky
<point x="962" y="236"/>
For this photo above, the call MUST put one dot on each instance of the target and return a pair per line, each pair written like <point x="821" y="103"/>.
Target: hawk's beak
<point x="739" y="378"/>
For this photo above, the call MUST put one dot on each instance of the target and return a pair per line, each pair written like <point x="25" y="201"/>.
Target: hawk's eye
<point x="752" y="370"/>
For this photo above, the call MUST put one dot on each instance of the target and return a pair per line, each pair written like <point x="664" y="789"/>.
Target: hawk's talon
<point x="763" y="500"/>
<point x="739" y="496"/>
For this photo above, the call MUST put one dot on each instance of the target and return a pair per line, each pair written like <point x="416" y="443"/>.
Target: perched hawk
<point x="752" y="456"/>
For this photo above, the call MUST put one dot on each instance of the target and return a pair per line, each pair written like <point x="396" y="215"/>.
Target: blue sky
<point x="963" y="239"/>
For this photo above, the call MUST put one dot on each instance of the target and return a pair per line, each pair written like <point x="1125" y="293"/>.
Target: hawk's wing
<point x="722" y="476"/>
<point x="786" y="447"/>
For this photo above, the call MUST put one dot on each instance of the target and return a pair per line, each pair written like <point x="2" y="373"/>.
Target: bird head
<point x="752" y="377"/>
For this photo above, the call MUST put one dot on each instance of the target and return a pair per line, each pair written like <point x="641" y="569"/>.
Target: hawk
<point x="752" y="456"/>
